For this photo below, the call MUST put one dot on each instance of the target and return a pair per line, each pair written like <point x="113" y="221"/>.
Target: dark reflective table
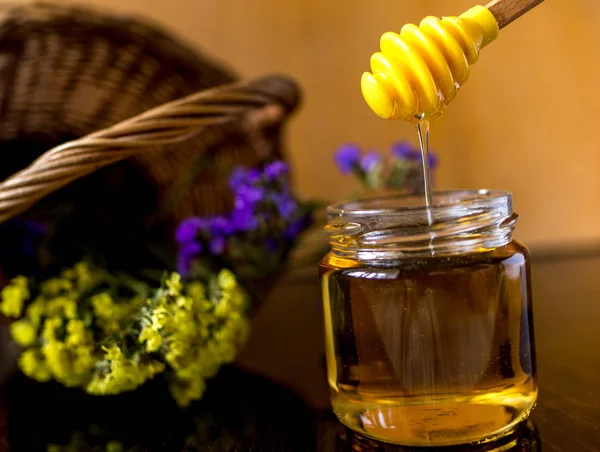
<point x="243" y="411"/>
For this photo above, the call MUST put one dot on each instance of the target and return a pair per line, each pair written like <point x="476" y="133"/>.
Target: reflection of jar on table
<point x="429" y="331"/>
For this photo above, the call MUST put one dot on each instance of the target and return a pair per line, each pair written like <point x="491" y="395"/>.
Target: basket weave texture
<point x="117" y="89"/>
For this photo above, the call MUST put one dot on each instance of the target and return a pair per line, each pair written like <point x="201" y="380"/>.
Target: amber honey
<point x="430" y="350"/>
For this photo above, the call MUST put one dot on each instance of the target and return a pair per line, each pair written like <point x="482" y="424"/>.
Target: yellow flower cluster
<point x="75" y="330"/>
<point x="196" y="331"/>
<point x="114" y="317"/>
<point x="14" y="297"/>
<point x="60" y="346"/>
<point x="122" y="373"/>
<point x="71" y="361"/>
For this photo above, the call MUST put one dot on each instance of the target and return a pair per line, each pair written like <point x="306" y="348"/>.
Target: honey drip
<point x="423" y="131"/>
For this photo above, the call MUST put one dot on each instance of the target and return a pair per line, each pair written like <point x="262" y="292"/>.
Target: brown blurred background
<point x="526" y="120"/>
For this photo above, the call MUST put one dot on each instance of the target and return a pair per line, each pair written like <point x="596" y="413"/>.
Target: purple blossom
<point x="347" y="157"/>
<point x="253" y="175"/>
<point x="275" y="170"/>
<point x="243" y="220"/>
<point x="243" y="177"/>
<point x="370" y="161"/>
<point x="237" y="178"/>
<point x="220" y="226"/>
<point x="405" y="151"/>
<point x="187" y="253"/>
<point x="191" y="249"/>
<point x="263" y="205"/>
<point x="248" y="196"/>
<point x="286" y="205"/>
<point x="189" y="228"/>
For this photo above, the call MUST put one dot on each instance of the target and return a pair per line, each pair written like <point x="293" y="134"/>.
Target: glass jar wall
<point x="429" y="329"/>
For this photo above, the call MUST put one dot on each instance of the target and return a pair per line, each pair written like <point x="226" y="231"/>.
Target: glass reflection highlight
<point x="525" y="438"/>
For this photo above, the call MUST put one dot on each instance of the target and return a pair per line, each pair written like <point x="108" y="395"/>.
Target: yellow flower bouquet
<point x="110" y="331"/>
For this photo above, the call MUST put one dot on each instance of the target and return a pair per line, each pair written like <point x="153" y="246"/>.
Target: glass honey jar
<point x="428" y="318"/>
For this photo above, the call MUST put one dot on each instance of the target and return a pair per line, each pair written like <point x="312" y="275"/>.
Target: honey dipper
<point x="420" y="70"/>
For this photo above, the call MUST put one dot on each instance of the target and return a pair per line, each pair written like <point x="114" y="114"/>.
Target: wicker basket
<point x="66" y="72"/>
<point x="150" y="123"/>
<point x="234" y="123"/>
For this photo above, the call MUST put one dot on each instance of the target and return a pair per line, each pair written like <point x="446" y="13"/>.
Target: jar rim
<point x="394" y="204"/>
<point x="387" y="227"/>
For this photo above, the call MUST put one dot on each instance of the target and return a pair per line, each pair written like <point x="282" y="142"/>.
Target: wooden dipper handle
<point x="506" y="11"/>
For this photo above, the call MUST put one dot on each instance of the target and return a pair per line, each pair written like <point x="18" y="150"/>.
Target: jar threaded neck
<point x="396" y="226"/>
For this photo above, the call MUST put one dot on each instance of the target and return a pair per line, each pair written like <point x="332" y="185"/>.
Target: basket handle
<point x="165" y="125"/>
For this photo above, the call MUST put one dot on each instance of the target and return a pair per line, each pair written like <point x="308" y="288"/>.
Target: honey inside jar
<point x="429" y="335"/>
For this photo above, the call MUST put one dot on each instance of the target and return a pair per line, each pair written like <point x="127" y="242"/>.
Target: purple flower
<point x="247" y="196"/>
<point x="237" y="178"/>
<point x="186" y="255"/>
<point x="263" y="201"/>
<point x="191" y="249"/>
<point x="370" y="161"/>
<point x="404" y="150"/>
<point x="286" y="205"/>
<point x="242" y="177"/>
<point x="188" y="229"/>
<point x="253" y="176"/>
<point x="275" y="170"/>
<point x="220" y="227"/>
<point x="217" y="245"/>
<point x="347" y="157"/>
<point x="243" y="220"/>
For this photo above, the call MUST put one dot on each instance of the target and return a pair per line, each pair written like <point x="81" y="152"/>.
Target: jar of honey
<point x="428" y="318"/>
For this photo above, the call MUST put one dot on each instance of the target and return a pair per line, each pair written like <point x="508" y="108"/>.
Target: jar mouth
<point x="392" y="226"/>
<point x="395" y="204"/>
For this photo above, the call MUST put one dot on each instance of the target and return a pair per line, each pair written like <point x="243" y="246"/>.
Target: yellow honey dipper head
<point x="419" y="71"/>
